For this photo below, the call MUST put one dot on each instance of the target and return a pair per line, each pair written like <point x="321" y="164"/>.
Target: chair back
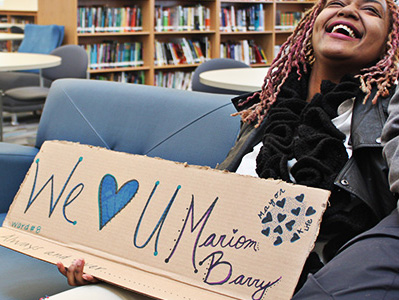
<point x="41" y="38"/>
<point x="215" y="64"/>
<point x="74" y="62"/>
<point x="172" y="124"/>
<point x="16" y="29"/>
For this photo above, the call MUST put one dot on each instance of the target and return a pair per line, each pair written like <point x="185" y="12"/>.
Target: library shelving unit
<point x="19" y="17"/>
<point x="210" y="28"/>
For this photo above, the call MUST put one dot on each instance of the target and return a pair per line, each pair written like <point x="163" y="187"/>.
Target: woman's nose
<point x="348" y="11"/>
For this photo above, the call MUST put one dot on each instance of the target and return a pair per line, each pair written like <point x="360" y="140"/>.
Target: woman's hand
<point x="74" y="273"/>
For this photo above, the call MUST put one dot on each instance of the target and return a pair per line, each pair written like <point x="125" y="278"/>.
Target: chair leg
<point x="14" y="120"/>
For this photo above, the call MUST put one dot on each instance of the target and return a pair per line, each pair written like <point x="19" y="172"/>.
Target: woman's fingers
<point x="74" y="273"/>
<point x="90" y="278"/>
<point x="61" y="268"/>
<point x="77" y="276"/>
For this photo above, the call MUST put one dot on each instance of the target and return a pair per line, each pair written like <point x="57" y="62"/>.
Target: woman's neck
<point x="322" y="72"/>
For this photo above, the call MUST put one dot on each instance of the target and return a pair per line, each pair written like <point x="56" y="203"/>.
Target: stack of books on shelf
<point x="21" y="20"/>
<point x="287" y="20"/>
<point x="126" y="77"/>
<point x="180" y="51"/>
<point x="179" y="18"/>
<point x="176" y="80"/>
<point x="94" y="19"/>
<point x="246" y="51"/>
<point x="114" y="55"/>
<point x="234" y="19"/>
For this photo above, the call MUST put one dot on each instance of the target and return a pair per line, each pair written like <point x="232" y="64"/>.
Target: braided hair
<point x="297" y="51"/>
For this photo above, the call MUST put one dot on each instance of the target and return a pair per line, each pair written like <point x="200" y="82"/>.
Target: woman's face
<point x="352" y="33"/>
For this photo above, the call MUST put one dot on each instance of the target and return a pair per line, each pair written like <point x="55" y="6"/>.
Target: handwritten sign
<point x="162" y="228"/>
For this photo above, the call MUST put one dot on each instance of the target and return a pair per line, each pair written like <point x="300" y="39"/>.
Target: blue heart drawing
<point x="278" y="241"/>
<point x="266" y="231"/>
<point x="268" y="218"/>
<point x="289" y="225"/>
<point x="310" y="211"/>
<point x="278" y="229"/>
<point x="281" y="217"/>
<point x="296" y="211"/>
<point x="112" y="200"/>
<point x="295" y="237"/>
<point x="300" y="197"/>
<point x="281" y="203"/>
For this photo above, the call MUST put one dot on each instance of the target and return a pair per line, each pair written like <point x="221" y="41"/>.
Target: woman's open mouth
<point x="344" y="29"/>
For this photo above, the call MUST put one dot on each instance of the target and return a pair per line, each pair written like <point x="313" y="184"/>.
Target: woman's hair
<point x="297" y="53"/>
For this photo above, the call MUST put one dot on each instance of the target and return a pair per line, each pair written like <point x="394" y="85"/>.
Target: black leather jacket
<point x="364" y="176"/>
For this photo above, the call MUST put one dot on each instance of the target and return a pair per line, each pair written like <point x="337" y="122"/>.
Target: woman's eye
<point x="373" y="10"/>
<point x="335" y="3"/>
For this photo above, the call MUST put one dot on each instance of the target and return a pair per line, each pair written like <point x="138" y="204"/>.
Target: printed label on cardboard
<point x="165" y="229"/>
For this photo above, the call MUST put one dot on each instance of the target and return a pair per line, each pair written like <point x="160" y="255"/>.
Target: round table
<point x="17" y="61"/>
<point x="240" y="79"/>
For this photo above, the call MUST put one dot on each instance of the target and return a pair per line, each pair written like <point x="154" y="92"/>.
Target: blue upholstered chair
<point x="41" y="39"/>
<point x="183" y="126"/>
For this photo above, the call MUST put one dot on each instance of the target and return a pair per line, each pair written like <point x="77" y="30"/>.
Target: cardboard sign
<point x="164" y="229"/>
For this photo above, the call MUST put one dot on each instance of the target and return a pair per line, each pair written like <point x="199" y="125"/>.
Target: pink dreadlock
<point x="297" y="50"/>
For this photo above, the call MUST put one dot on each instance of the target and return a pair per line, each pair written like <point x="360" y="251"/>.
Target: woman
<point x="321" y="113"/>
<point x="319" y="116"/>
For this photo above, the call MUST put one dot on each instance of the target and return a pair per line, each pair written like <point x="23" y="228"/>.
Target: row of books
<point x="126" y="77"/>
<point x="109" y="19"/>
<point x="234" y="19"/>
<point x="179" y="18"/>
<point x="182" y="51"/>
<point x="114" y="55"/>
<point x="246" y="51"/>
<point x="287" y="20"/>
<point x="177" y="79"/>
<point x="22" y="20"/>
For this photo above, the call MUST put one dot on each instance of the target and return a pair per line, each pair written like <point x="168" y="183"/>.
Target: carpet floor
<point x="24" y="133"/>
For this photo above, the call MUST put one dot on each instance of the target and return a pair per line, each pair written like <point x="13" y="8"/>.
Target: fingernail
<point x="79" y="263"/>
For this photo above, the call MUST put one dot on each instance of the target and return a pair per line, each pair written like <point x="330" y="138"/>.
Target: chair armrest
<point x="15" y="161"/>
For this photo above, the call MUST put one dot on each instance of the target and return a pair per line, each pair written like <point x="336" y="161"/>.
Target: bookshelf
<point x="246" y="29"/>
<point x="19" y="17"/>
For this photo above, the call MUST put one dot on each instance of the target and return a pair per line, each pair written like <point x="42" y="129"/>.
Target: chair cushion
<point x="28" y="94"/>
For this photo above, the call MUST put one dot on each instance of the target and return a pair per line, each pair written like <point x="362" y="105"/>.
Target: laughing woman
<point x="318" y="120"/>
